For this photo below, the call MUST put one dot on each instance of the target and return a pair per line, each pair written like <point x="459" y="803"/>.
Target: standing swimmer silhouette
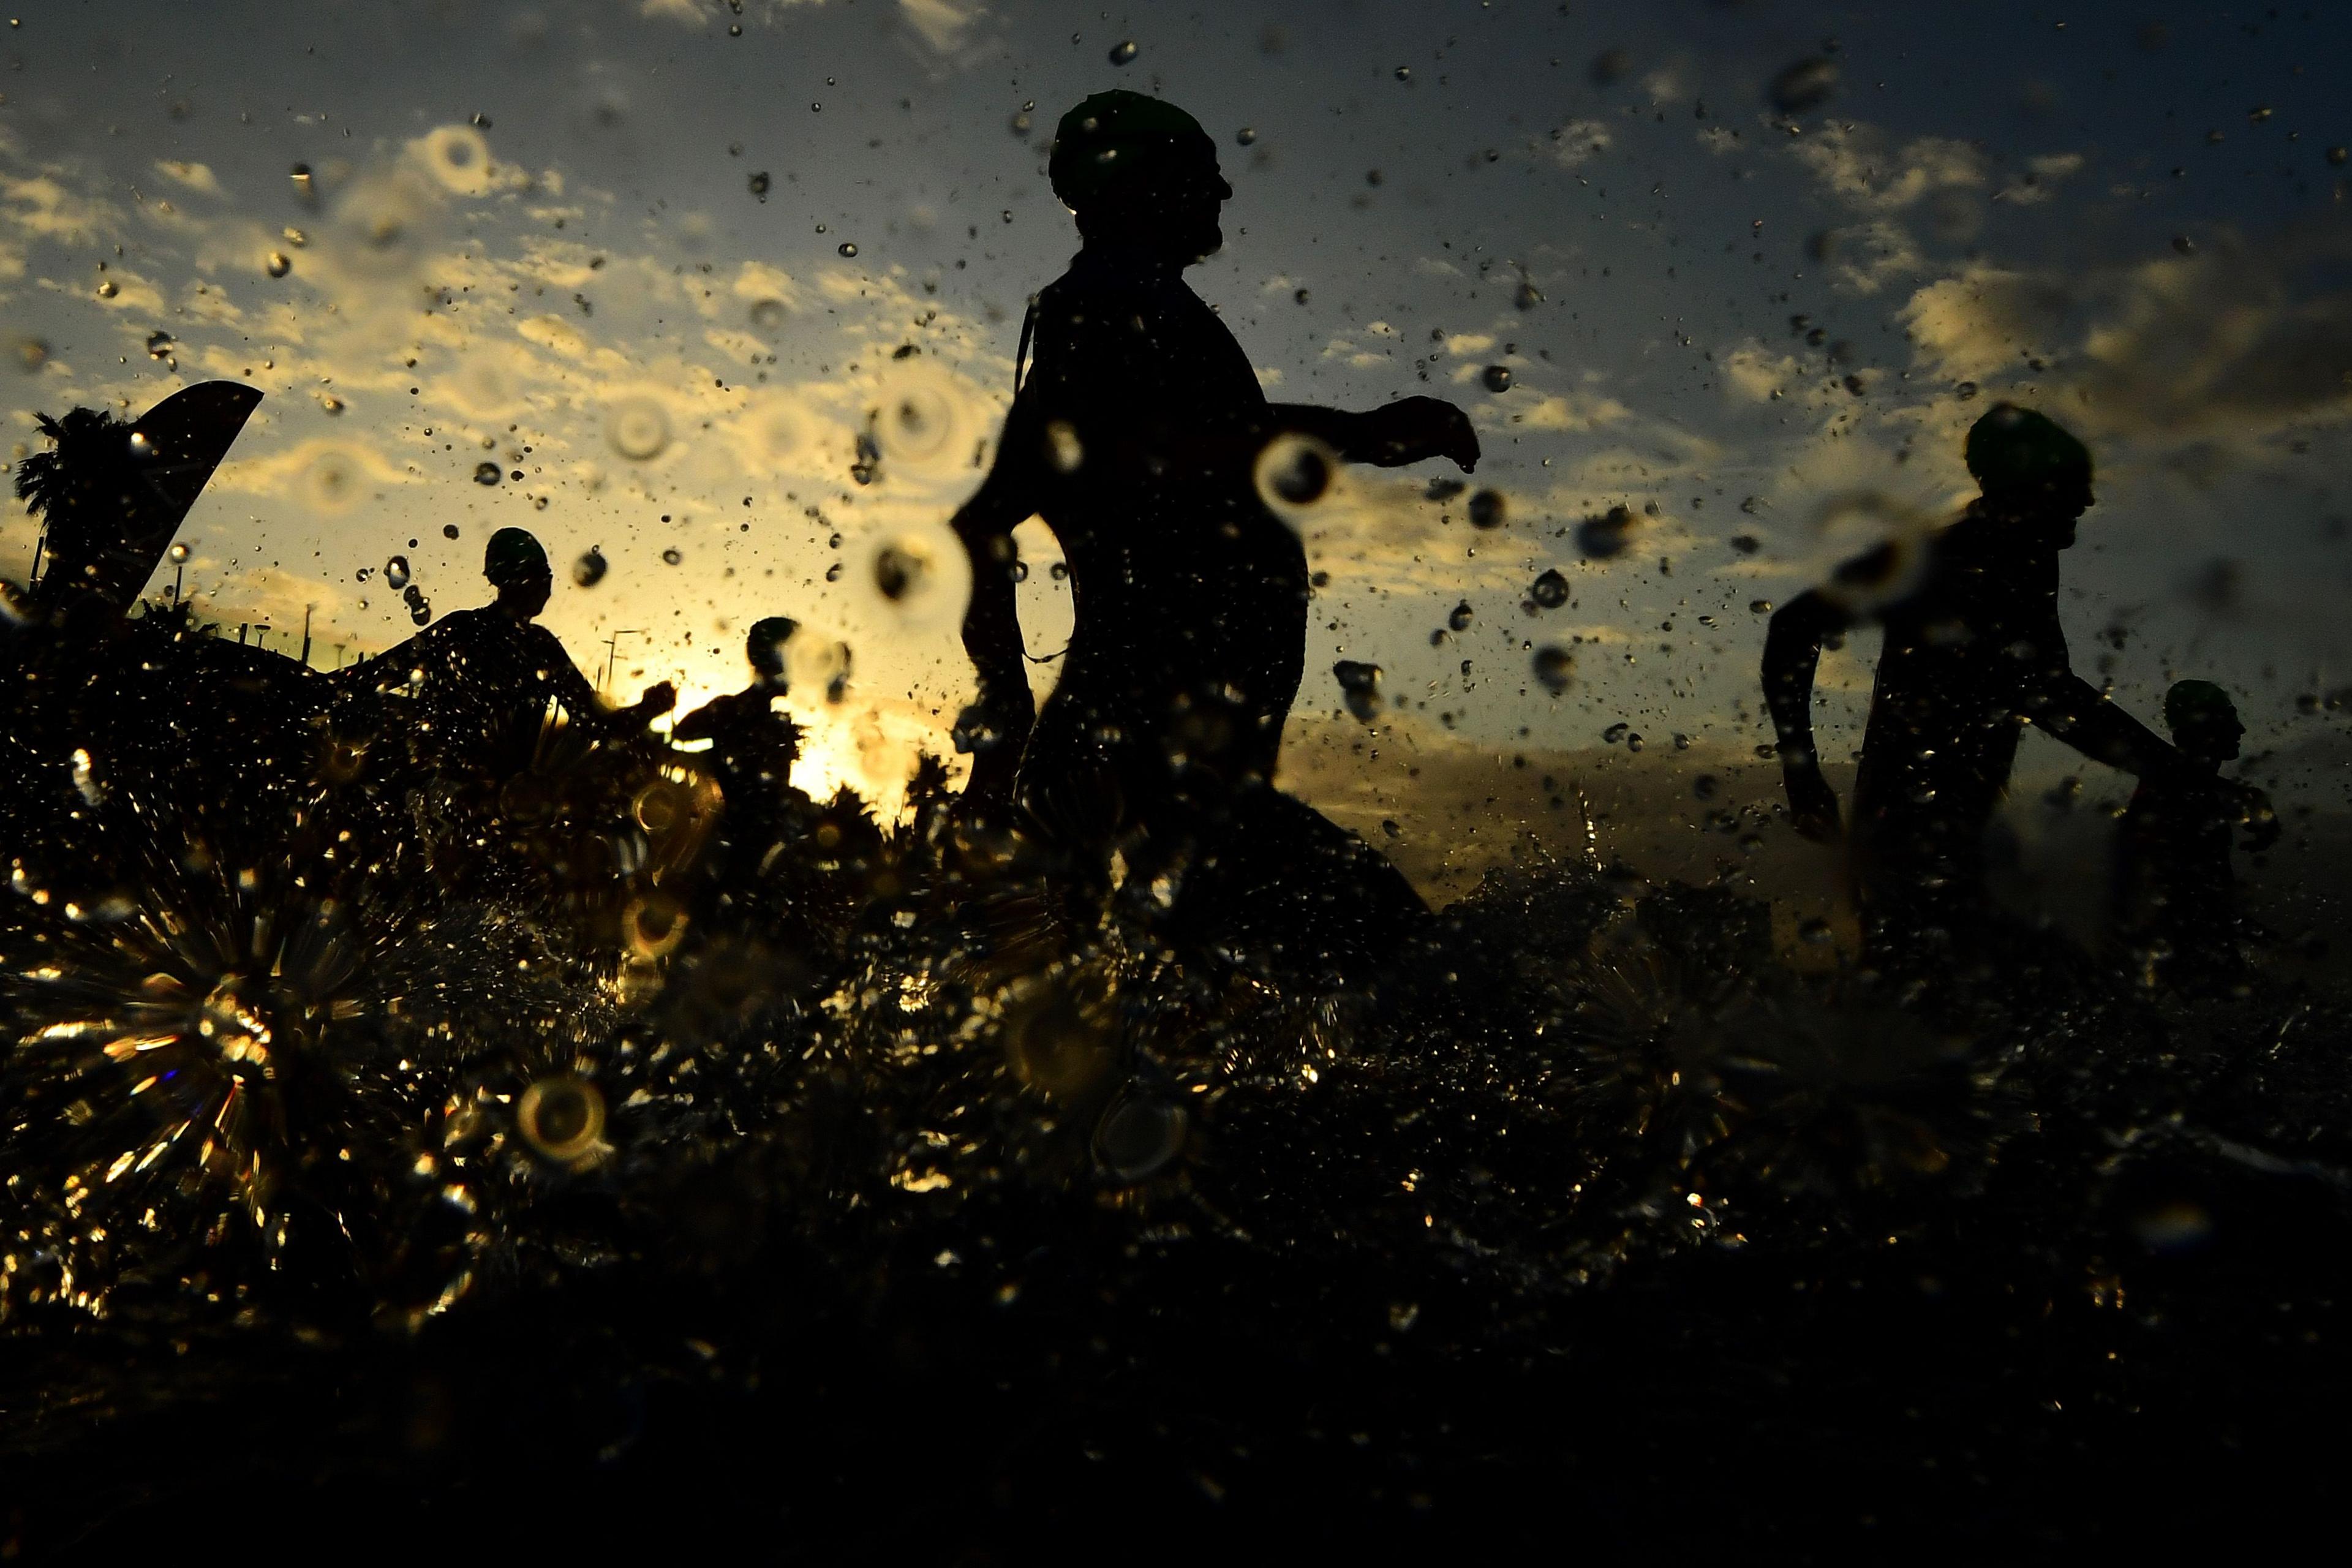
<point x="1972" y="652"/>
<point x="1135" y="434"/>
<point x="2175" y="902"/>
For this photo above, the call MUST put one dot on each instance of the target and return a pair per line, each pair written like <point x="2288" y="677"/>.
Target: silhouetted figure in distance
<point x="2175" y="898"/>
<point x="486" y="675"/>
<point x="1973" y="651"/>
<point x="1135" y="432"/>
<point x="752" y="746"/>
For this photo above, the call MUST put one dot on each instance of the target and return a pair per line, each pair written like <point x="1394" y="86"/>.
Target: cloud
<point x="1573" y="412"/>
<point x="1986" y="320"/>
<point x="41" y="208"/>
<point x="2039" y="182"/>
<point x="1753" y="372"/>
<point x="2236" y="343"/>
<point x="194" y="176"/>
<point x="1858" y="166"/>
<point x="688" y="13"/>
<point x="943" y="24"/>
<point x="1580" y="141"/>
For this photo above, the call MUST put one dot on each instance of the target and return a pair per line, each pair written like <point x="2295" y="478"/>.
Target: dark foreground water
<point x="566" y="1169"/>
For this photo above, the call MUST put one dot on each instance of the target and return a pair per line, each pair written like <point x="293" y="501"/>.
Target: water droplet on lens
<point x="1295" y="471"/>
<point x="1404" y="73"/>
<point x="106" y="290"/>
<point x="637" y="428"/>
<point x="1248" y="134"/>
<point x="759" y="184"/>
<point x="179" y="553"/>
<point x="1556" y="667"/>
<point x="768" y="315"/>
<point x="846" y="247"/>
<point x="1139" y="1136"/>
<point x="1606" y="535"/>
<point x="1550" y="590"/>
<point x="1122" y="53"/>
<point x="671" y="557"/>
<point x="1359" y="687"/>
<point x="560" y="1118"/>
<point x="395" y="571"/>
<point x="278" y="265"/>
<point x="1460" y="619"/>
<point x="1497" y="378"/>
<point x="1487" y="510"/>
<point x="1808" y="84"/>
<point x="160" y="345"/>
<point x="589" y="569"/>
<point x="485" y="473"/>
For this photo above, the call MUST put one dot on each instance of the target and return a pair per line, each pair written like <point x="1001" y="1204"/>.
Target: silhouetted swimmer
<point x="752" y="745"/>
<point x="1136" y="435"/>
<point x="483" y="676"/>
<point x="2175" y="898"/>
<point x="1971" y="653"/>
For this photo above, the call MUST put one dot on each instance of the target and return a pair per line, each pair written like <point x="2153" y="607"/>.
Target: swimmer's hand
<point x="1414" y="428"/>
<point x="2251" y="809"/>
<point x="657" y="701"/>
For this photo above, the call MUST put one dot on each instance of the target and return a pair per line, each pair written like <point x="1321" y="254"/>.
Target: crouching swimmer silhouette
<point x="1136" y="435"/>
<point x="479" y="682"/>
<point x="1970" y="654"/>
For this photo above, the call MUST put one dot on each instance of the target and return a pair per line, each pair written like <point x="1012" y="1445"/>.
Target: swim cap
<point x="514" y="558"/>
<point x="2197" y="702"/>
<point x="2013" y="448"/>
<point x="1113" y="132"/>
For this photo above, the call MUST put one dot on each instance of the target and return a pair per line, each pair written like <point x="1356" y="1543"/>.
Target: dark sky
<point x="1770" y="322"/>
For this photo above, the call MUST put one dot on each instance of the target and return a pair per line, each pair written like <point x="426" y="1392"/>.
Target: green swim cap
<point x="2013" y="448"/>
<point x="514" y="558"/>
<point x="1113" y="132"/>
<point x="2197" y="702"/>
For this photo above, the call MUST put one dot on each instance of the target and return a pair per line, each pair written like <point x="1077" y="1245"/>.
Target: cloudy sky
<point x="1751" y="270"/>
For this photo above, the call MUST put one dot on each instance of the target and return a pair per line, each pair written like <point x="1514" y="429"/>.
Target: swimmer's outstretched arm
<point x="991" y="621"/>
<point x="1405" y="431"/>
<point x="1793" y="654"/>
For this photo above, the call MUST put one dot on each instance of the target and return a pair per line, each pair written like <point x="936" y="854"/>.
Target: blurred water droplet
<point x="768" y="315"/>
<point x="1404" y="73"/>
<point x="1550" y="590"/>
<point x="106" y="290"/>
<point x="1295" y="471"/>
<point x="1359" y="687"/>
<point x="1606" y="535"/>
<point x="1610" y="66"/>
<point x="672" y="556"/>
<point x="759" y="184"/>
<point x="1248" y="134"/>
<point x="395" y="571"/>
<point x="560" y="1118"/>
<point x="278" y="265"/>
<point x="160" y="345"/>
<point x="485" y="473"/>
<point x="589" y="569"/>
<point x="1497" y="378"/>
<point x="637" y="428"/>
<point x="1556" y="667"/>
<point x="1487" y="510"/>
<point x="1459" y="620"/>
<point x="1139" y="1136"/>
<point x="1806" y="84"/>
<point x="1122" y="53"/>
